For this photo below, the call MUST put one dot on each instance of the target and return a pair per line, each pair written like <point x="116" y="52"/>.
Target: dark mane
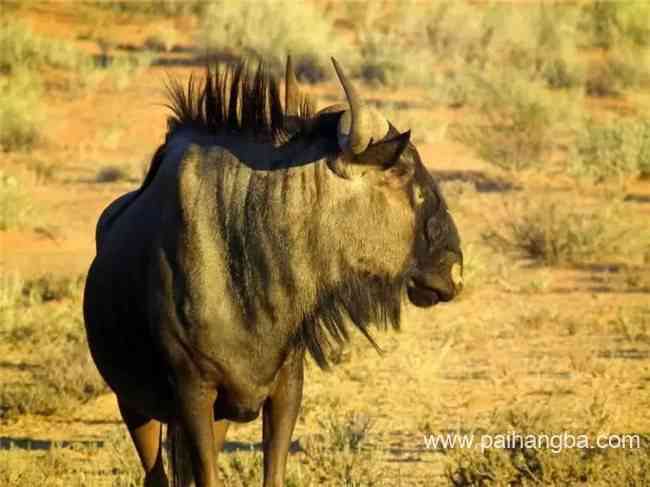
<point x="361" y="301"/>
<point x="233" y="99"/>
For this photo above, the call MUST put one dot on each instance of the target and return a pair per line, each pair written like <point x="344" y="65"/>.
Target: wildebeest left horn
<point x="291" y="90"/>
<point x="361" y="123"/>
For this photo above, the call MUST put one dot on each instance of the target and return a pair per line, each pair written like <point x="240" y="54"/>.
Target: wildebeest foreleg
<point x="279" y="418"/>
<point x="220" y="428"/>
<point x="195" y="411"/>
<point x="146" y="435"/>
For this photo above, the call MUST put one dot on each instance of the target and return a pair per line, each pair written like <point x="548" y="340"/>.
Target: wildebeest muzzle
<point x="440" y="277"/>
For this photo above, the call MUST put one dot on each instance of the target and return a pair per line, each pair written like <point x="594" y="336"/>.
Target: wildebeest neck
<point x="293" y="244"/>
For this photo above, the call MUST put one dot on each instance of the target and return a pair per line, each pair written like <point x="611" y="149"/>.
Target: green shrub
<point x="604" y="23"/>
<point x="269" y="30"/>
<point x="616" y="148"/>
<point x="598" y="23"/>
<point x="27" y="54"/>
<point x="560" y="73"/>
<point x="513" y="130"/>
<point x="20" y="111"/>
<point x="22" y="49"/>
<point x="457" y="31"/>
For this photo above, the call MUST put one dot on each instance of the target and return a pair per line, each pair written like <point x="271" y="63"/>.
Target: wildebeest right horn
<point x="291" y="90"/>
<point x="361" y="123"/>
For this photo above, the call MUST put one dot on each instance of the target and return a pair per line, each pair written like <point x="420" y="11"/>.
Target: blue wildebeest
<point x="259" y="234"/>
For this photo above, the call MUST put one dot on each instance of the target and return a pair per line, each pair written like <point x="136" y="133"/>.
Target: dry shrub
<point x="551" y="232"/>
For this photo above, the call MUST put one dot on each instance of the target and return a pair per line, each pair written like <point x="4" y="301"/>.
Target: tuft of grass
<point x="269" y="30"/>
<point x="551" y="233"/>
<point x="349" y="433"/>
<point x="15" y="206"/>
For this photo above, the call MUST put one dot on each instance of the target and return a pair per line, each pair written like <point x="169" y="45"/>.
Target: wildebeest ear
<point x="385" y="153"/>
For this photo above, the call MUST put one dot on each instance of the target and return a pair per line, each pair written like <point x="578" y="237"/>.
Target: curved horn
<point x="362" y="123"/>
<point x="291" y="90"/>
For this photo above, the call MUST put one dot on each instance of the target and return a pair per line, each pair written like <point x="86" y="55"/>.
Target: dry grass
<point x="45" y="313"/>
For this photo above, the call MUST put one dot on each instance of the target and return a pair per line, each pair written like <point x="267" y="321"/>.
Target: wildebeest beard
<point x="362" y="300"/>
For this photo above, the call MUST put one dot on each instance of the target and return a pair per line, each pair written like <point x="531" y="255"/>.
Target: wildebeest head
<point x="416" y="216"/>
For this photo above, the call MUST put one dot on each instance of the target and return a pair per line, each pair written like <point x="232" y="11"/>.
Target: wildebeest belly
<point x="237" y="408"/>
<point x="241" y="400"/>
